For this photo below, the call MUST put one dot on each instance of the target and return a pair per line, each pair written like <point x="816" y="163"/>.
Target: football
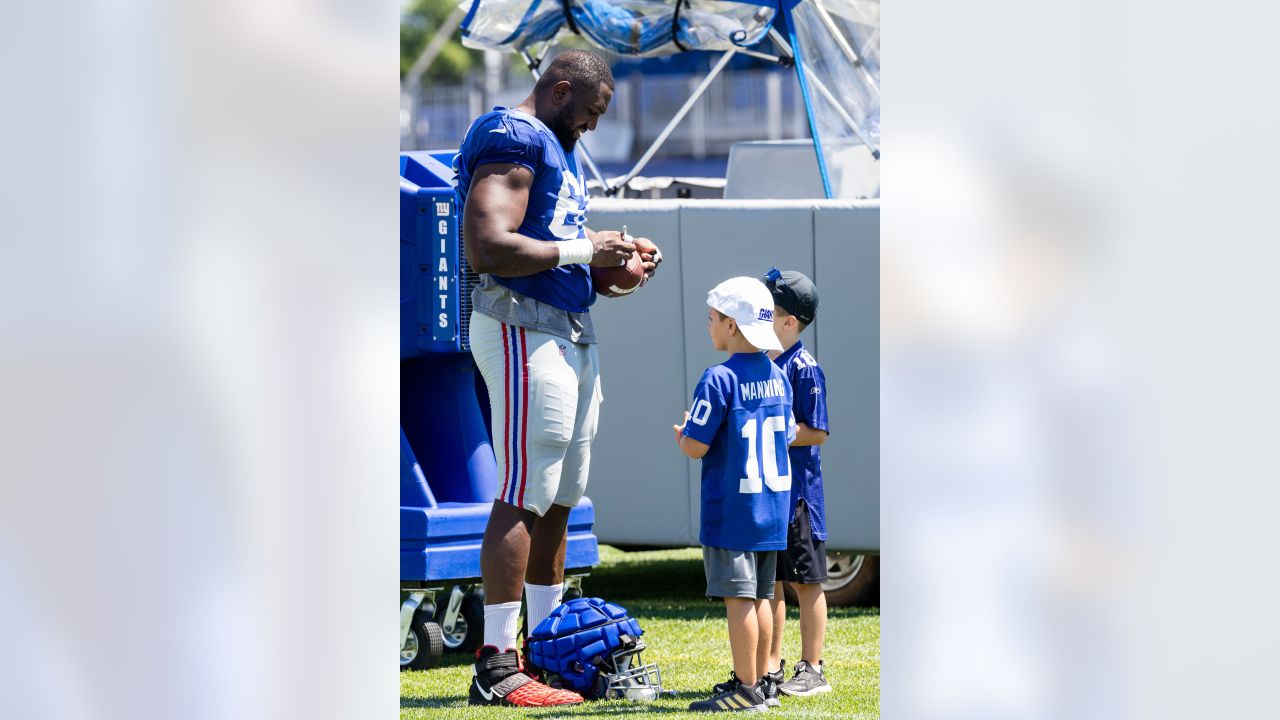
<point x="618" y="281"/>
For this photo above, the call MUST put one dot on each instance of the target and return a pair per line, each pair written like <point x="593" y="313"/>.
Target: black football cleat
<point x="499" y="679"/>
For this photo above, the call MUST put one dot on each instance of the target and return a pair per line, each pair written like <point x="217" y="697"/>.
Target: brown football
<point x="618" y="281"/>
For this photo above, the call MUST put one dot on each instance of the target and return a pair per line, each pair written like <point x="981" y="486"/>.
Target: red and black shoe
<point x="500" y="680"/>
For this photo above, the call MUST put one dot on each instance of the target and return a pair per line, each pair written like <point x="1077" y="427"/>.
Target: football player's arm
<point x="806" y="436"/>
<point x="491" y="218"/>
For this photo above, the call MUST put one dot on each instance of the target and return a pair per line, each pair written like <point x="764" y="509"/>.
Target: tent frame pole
<point x="822" y="88"/>
<point x="848" y="120"/>
<point x="801" y="75"/>
<point x="671" y="125"/>
<point x="845" y="47"/>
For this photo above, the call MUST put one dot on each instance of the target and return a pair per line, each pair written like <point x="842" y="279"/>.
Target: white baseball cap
<point x="750" y="304"/>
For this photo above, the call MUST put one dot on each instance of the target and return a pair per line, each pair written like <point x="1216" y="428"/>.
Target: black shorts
<point x="805" y="559"/>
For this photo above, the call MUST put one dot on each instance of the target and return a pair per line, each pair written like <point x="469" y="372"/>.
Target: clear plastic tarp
<point x="625" y="27"/>
<point x="838" y="51"/>
<point x="836" y="45"/>
<point x="511" y="25"/>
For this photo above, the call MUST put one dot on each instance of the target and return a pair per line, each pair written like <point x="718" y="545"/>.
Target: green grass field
<point x="687" y="637"/>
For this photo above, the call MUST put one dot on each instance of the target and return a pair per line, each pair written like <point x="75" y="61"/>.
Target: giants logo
<point x="571" y="208"/>
<point x="766" y="314"/>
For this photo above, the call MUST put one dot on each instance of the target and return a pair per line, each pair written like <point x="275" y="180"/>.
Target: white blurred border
<point x="199" y="369"/>
<point x="198" y="375"/>
<point x="1078" y="360"/>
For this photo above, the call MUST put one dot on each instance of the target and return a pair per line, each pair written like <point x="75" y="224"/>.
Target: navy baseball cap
<point x="793" y="292"/>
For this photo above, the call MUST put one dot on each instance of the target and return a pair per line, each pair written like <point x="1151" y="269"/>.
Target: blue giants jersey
<point x="742" y="409"/>
<point x="557" y="207"/>
<point x="809" y="386"/>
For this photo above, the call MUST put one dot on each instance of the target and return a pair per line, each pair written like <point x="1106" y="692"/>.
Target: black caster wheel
<point x="468" y="629"/>
<point x="424" y="646"/>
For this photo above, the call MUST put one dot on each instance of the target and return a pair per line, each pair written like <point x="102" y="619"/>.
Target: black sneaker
<point x="771" y="682"/>
<point x="729" y="684"/>
<point x="808" y="680"/>
<point x="500" y="680"/>
<point x="736" y="698"/>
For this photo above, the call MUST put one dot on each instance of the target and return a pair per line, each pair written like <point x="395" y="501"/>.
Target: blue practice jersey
<point x="557" y="207"/>
<point x="809" y="386"/>
<point x="742" y="409"/>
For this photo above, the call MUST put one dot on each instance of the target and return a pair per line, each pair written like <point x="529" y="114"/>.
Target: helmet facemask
<point x="629" y="677"/>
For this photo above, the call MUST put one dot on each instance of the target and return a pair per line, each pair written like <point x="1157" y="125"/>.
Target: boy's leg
<point x="778" y="606"/>
<point x="744" y="635"/>
<point x="737" y="576"/>
<point x="813" y="621"/>
<point x="764" y="617"/>
<point x="806" y="570"/>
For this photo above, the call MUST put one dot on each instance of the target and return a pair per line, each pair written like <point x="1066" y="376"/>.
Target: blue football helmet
<point x="593" y="647"/>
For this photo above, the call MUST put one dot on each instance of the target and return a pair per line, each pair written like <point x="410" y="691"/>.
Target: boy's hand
<point x="680" y="427"/>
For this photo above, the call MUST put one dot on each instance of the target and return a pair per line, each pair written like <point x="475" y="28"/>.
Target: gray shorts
<point x="739" y="573"/>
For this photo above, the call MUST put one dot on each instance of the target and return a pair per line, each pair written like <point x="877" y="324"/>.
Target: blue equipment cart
<point x="448" y="474"/>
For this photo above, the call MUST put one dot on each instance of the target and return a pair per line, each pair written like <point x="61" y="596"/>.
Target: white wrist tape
<point x="575" y="251"/>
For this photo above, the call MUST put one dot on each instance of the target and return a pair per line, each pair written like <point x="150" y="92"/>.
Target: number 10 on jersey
<point x="769" y="430"/>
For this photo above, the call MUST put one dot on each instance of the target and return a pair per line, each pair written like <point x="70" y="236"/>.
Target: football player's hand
<point x="679" y="428"/>
<point x="650" y="255"/>
<point x="611" y="250"/>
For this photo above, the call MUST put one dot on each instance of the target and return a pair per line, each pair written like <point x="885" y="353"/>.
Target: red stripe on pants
<point x="524" y="416"/>
<point x="506" y="410"/>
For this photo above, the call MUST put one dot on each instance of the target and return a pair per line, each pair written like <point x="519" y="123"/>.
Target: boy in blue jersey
<point x="740" y="425"/>
<point x="803" y="565"/>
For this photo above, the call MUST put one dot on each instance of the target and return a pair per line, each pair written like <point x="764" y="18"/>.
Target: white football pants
<point x="544" y="393"/>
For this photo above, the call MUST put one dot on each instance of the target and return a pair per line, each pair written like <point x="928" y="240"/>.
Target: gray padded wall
<point x="654" y="347"/>
<point x="847" y="252"/>
<point x="639" y="478"/>
<point x="719" y="243"/>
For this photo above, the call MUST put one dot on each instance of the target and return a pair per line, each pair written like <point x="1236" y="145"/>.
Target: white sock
<point x="541" y="599"/>
<point x="501" y="622"/>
